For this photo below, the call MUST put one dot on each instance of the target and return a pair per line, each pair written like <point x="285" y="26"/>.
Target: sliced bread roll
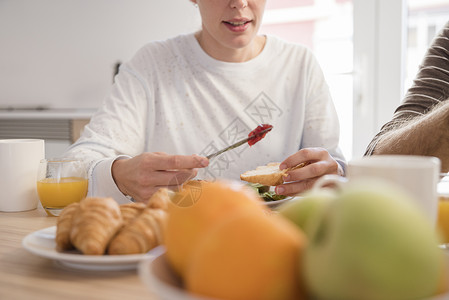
<point x="268" y="175"/>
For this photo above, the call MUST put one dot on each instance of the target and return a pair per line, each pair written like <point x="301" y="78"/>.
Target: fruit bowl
<point x="161" y="280"/>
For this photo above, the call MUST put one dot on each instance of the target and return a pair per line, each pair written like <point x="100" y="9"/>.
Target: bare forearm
<point x="427" y="135"/>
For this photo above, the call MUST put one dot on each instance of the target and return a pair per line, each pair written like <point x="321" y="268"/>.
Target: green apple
<point x="372" y="243"/>
<point x="302" y="210"/>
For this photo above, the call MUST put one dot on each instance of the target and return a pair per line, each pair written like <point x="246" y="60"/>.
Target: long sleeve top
<point x="430" y="87"/>
<point x="172" y="97"/>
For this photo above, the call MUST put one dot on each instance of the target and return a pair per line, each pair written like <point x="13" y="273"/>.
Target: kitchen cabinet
<point x="58" y="127"/>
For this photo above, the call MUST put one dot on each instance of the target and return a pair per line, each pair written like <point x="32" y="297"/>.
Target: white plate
<point x="161" y="280"/>
<point x="42" y="243"/>
<point x="275" y="204"/>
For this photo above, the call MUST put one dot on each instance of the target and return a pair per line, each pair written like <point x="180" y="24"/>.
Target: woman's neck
<point x="228" y="54"/>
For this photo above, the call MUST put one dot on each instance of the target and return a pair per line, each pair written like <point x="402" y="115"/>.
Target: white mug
<point x="19" y="162"/>
<point x="416" y="175"/>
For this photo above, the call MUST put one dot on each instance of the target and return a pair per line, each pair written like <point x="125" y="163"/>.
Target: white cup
<point x="19" y="162"/>
<point x="416" y="175"/>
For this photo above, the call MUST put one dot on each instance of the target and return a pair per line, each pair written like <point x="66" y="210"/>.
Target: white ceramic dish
<point x="42" y="243"/>
<point x="160" y="279"/>
<point x="275" y="204"/>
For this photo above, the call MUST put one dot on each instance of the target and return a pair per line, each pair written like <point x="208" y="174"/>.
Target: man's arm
<point x="425" y="135"/>
<point x="419" y="123"/>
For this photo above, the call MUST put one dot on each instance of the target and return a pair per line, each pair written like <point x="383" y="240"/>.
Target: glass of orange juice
<point x="61" y="182"/>
<point x="443" y="210"/>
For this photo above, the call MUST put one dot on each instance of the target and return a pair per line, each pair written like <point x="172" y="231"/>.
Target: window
<point x="325" y="26"/>
<point x="369" y="50"/>
<point x="425" y="19"/>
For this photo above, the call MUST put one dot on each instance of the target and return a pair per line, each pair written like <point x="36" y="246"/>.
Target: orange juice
<point x="55" y="195"/>
<point x="443" y="218"/>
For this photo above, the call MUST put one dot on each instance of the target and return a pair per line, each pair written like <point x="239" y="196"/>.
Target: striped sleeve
<point x="430" y="87"/>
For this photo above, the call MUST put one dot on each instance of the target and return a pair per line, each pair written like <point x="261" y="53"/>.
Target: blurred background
<point x="58" y="57"/>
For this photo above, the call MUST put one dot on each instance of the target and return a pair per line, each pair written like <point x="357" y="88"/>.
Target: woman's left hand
<point x="320" y="163"/>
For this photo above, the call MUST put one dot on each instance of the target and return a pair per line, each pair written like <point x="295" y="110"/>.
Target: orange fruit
<point x="196" y="209"/>
<point x="249" y="256"/>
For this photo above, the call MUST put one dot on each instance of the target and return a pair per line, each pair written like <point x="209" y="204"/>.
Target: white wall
<point x="379" y="38"/>
<point x="61" y="53"/>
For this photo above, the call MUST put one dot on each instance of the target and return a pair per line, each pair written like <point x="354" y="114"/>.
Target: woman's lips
<point x="237" y="26"/>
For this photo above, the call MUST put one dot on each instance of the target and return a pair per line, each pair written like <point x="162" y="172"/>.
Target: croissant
<point x="130" y="211"/>
<point x="64" y="226"/>
<point x="160" y="199"/>
<point x="95" y="222"/>
<point x="141" y="235"/>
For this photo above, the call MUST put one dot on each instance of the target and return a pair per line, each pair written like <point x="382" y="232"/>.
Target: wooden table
<point x="27" y="276"/>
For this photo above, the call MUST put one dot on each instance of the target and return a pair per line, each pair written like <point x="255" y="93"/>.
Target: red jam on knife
<point x="255" y="136"/>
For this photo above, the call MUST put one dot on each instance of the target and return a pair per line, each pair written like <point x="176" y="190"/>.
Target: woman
<point x="200" y="92"/>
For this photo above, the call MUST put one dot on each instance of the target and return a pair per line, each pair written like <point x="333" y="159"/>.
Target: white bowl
<point x="162" y="281"/>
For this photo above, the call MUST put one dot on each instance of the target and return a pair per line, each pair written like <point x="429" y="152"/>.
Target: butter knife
<point x="239" y="143"/>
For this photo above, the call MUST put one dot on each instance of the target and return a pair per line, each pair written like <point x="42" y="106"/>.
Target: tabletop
<point x="27" y="276"/>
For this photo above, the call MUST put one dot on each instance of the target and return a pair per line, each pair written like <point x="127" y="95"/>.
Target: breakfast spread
<point x="255" y="135"/>
<point x="96" y="226"/>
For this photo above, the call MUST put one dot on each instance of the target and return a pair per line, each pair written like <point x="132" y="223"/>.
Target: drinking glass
<point x="61" y="182"/>
<point x="443" y="209"/>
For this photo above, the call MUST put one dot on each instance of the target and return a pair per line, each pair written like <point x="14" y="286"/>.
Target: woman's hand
<point x="140" y="176"/>
<point x="302" y="179"/>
